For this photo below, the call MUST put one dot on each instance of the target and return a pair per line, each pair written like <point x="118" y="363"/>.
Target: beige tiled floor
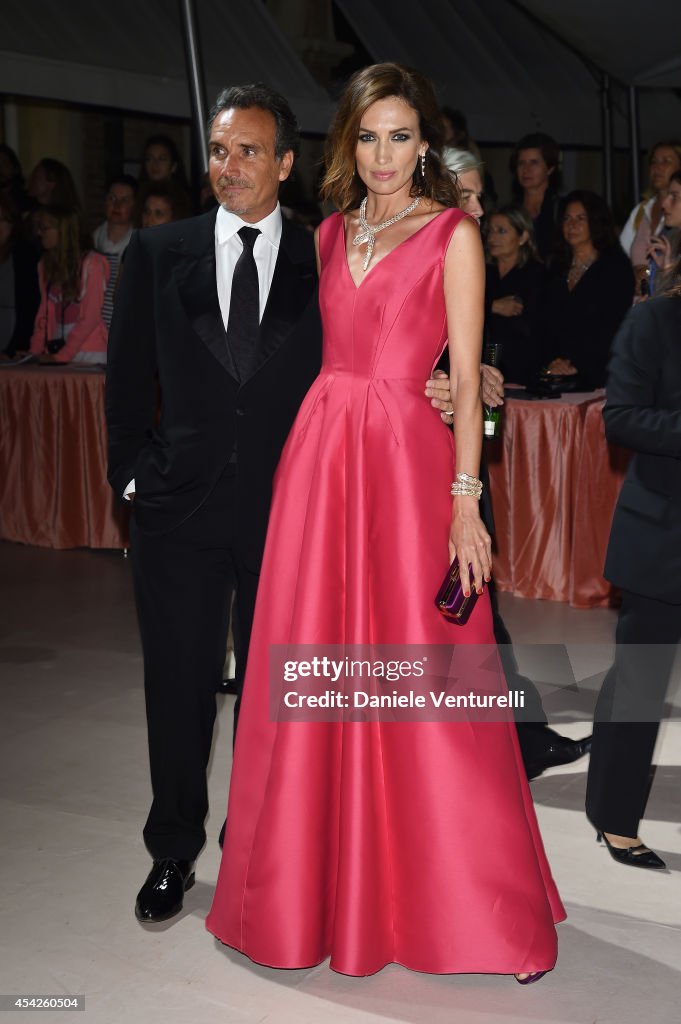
<point x="74" y="792"/>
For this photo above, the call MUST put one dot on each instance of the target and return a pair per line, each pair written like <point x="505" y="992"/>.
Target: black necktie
<point x="244" y="306"/>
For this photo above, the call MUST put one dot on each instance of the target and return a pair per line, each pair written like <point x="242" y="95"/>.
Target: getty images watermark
<point x="465" y="682"/>
<point x="388" y="683"/>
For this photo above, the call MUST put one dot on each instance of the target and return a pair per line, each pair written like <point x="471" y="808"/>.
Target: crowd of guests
<point x="57" y="279"/>
<point x="559" y="278"/>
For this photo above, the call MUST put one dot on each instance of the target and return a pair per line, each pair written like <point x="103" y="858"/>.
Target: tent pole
<point x="606" y="126"/>
<point x="634" y="143"/>
<point x="197" y="93"/>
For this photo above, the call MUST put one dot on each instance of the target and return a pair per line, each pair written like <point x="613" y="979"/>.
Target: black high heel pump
<point x="649" y="859"/>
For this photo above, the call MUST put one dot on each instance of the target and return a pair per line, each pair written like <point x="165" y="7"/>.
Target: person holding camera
<point x="665" y="249"/>
<point x="69" y="327"/>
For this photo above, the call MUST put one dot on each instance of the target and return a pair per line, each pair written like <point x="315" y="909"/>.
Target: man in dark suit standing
<point x="220" y="314"/>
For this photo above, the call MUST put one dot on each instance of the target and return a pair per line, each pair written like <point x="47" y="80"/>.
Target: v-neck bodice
<point x="394" y="323"/>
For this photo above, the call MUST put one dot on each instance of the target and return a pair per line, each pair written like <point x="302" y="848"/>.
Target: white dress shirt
<point x="228" y="248"/>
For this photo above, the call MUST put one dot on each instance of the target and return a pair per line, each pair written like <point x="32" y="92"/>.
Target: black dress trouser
<point x="628" y="712"/>
<point x="183" y="582"/>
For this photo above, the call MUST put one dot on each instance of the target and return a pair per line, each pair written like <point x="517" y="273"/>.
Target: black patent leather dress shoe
<point x="558" y="750"/>
<point x="637" y="856"/>
<point x="162" y="894"/>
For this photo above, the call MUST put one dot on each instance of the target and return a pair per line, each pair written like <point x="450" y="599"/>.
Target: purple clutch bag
<point x="451" y="600"/>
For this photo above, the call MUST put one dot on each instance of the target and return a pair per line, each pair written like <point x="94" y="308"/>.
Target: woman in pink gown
<point x="374" y="842"/>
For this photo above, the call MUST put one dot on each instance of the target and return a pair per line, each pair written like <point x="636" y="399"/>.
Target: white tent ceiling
<point x="637" y="44"/>
<point x="511" y="76"/>
<point x="130" y="55"/>
<point x="486" y="56"/>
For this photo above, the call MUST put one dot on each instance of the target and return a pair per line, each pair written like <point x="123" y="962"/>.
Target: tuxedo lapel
<point x="195" y="276"/>
<point x="293" y="283"/>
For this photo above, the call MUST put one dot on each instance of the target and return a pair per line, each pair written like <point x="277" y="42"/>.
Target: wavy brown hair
<point x="673" y="283"/>
<point x="601" y="226"/>
<point x="341" y="184"/>
<point x="64" y="193"/>
<point x="63" y="265"/>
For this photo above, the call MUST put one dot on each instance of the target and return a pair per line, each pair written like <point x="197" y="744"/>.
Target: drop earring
<point x="423" y="165"/>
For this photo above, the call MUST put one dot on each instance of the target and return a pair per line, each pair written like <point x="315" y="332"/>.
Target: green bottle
<point x="491" y="424"/>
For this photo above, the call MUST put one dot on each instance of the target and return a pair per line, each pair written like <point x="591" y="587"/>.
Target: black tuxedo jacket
<point x="643" y="412"/>
<point x="167" y="335"/>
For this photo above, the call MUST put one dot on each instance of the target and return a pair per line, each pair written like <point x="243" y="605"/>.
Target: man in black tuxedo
<point x="219" y="314"/>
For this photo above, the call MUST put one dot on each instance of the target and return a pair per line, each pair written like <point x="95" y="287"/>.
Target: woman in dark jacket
<point x="591" y="289"/>
<point x="514" y="290"/>
<point x="535" y="166"/>
<point x="643" y="413"/>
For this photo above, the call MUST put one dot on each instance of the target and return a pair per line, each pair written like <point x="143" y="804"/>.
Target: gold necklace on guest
<point x="369" y="232"/>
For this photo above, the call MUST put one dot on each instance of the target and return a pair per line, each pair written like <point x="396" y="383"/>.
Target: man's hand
<point x="491" y="385"/>
<point x="509" y="305"/>
<point x="437" y="389"/>
<point x="491" y="390"/>
<point x="563" y="367"/>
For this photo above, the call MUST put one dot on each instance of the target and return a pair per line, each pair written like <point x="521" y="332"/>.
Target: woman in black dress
<point x="514" y="289"/>
<point x="591" y="289"/>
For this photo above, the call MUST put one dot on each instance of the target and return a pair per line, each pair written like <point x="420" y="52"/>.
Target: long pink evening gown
<point x="367" y="842"/>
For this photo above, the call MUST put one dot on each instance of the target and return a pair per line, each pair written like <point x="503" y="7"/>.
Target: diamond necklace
<point x="368" y="233"/>
<point x="582" y="264"/>
<point x="578" y="269"/>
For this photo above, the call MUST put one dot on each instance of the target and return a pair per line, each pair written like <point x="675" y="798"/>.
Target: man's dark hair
<point x="243" y="97"/>
<point x="123" y="179"/>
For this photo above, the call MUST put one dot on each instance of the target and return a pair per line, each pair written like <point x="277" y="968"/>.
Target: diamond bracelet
<point x="466" y="485"/>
